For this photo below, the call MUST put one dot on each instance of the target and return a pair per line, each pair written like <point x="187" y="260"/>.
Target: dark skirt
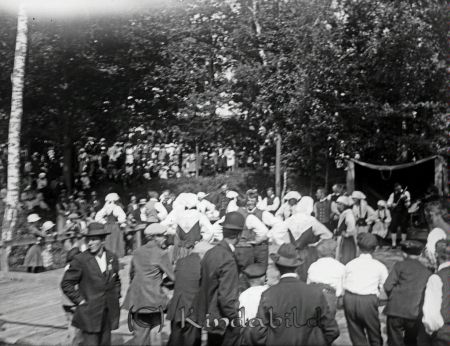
<point x="347" y="250"/>
<point x="33" y="258"/>
<point x="114" y="242"/>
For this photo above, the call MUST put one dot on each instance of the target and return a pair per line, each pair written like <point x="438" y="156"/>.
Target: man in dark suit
<point x="96" y="273"/>
<point x="145" y="298"/>
<point x="405" y="287"/>
<point x="218" y="297"/>
<point x="291" y="312"/>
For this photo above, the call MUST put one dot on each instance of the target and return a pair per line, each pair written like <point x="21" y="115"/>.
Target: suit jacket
<point x="187" y="285"/>
<point x="100" y="291"/>
<point x="405" y="287"/>
<point x="292" y="313"/>
<point x="148" y="265"/>
<point x="219" y="288"/>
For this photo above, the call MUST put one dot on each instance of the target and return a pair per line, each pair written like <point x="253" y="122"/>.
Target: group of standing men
<point x="219" y="270"/>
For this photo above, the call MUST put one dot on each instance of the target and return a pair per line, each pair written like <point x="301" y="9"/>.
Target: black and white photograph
<point x="224" y="173"/>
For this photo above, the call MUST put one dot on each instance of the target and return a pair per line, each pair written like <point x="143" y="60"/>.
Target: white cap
<point x="292" y="195"/>
<point x="42" y="175"/>
<point x="33" y="218"/>
<point x="344" y="200"/>
<point x="381" y="203"/>
<point x="155" y="229"/>
<point x="190" y="200"/>
<point x="231" y="194"/>
<point x="358" y="195"/>
<point x="48" y="225"/>
<point x="201" y="194"/>
<point x="112" y="197"/>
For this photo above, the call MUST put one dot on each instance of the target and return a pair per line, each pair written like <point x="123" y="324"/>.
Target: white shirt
<point x="390" y="201"/>
<point x="109" y="209"/>
<point x="249" y="301"/>
<point x="263" y="205"/>
<point x="204" y="206"/>
<point x="297" y="224"/>
<point x="327" y="271"/>
<point x="349" y="219"/>
<point x="365" y="275"/>
<point x="432" y="318"/>
<point x="433" y="237"/>
<point x="160" y="209"/>
<point x="289" y="275"/>
<point x="101" y="262"/>
<point x="186" y="219"/>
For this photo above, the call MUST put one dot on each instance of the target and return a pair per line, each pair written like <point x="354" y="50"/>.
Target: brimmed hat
<point x="42" y="175"/>
<point x="412" y="247"/>
<point x="155" y="229"/>
<point x="112" y="197"/>
<point x="358" y="195"/>
<point x="286" y="256"/>
<point x="292" y="195"/>
<point x="234" y="221"/>
<point x="33" y="218"/>
<point x="48" y="225"/>
<point x="255" y="270"/>
<point x="252" y="193"/>
<point x="96" y="229"/>
<point x="326" y="248"/>
<point x="73" y="216"/>
<point x="142" y="201"/>
<point x="344" y="200"/>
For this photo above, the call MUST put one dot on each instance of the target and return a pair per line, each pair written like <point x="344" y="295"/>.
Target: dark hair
<point x="230" y="233"/>
<point x="241" y="201"/>
<point x="285" y="270"/>
<point x="153" y="194"/>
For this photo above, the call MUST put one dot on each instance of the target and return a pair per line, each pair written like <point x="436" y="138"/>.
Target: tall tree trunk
<point x="15" y="122"/>
<point x="254" y="9"/>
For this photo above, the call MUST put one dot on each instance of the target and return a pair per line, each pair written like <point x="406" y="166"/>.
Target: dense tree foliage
<point x="336" y="78"/>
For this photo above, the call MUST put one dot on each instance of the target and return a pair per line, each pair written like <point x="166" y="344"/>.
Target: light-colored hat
<point x="112" y="197"/>
<point x="358" y="195"/>
<point x="292" y="195"/>
<point x="142" y="201"/>
<point x="42" y="175"/>
<point x="48" y="225"/>
<point x="381" y="203"/>
<point x="190" y="200"/>
<point x="201" y="194"/>
<point x="232" y="194"/>
<point x="155" y="229"/>
<point x="33" y="218"/>
<point x="344" y="200"/>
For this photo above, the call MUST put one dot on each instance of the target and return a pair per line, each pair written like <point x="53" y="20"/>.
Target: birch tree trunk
<point x="15" y="122"/>
<point x="254" y="9"/>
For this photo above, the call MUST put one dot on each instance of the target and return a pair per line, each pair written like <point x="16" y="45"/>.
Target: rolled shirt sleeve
<point x="256" y="225"/>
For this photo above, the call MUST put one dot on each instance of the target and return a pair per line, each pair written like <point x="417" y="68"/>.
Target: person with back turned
<point x="218" y="297"/>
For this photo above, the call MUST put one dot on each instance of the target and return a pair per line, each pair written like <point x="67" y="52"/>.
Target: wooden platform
<point x="31" y="313"/>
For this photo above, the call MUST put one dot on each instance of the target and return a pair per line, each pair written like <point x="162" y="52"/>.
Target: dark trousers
<point x="143" y="324"/>
<point x="401" y="331"/>
<point x="399" y="223"/>
<point x="103" y="338"/>
<point x="361" y="313"/>
<point x="231" y="337"/>
<point x="187" y="336"/>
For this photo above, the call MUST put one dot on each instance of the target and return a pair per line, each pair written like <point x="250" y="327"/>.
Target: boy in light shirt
<point x="250" y="298"/>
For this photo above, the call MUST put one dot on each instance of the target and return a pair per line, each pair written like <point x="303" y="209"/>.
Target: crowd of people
<point x="137" y="158"/>
<point x="201" y="260"/>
